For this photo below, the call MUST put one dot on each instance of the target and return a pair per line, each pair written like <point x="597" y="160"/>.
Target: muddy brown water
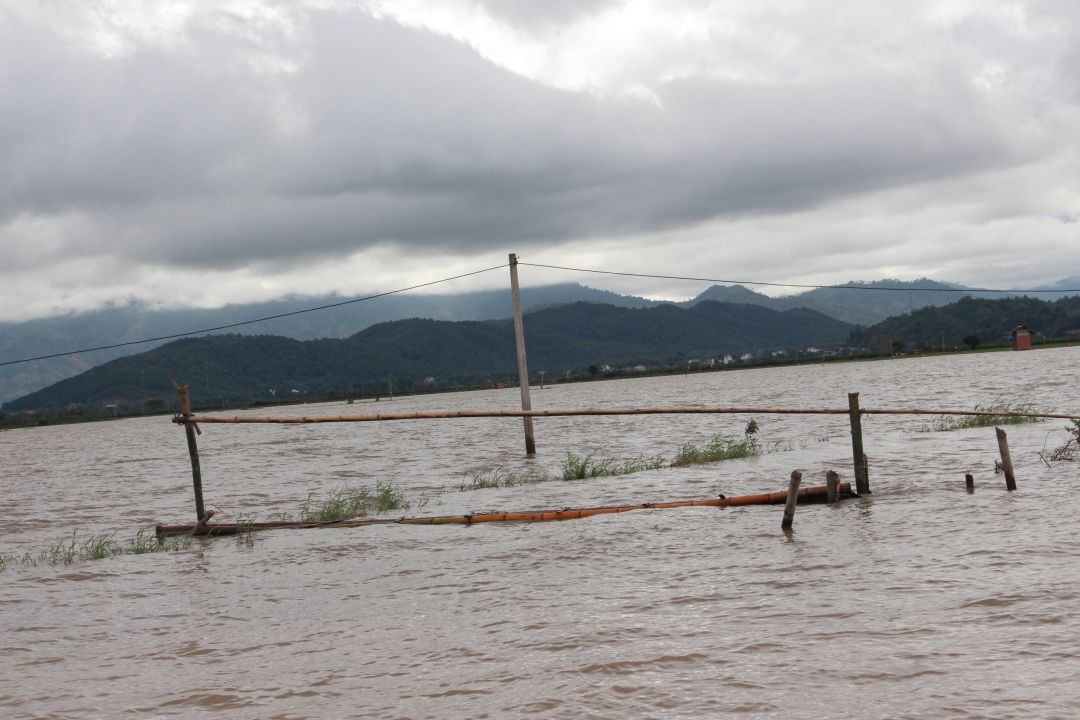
<point x="917" y="601"/>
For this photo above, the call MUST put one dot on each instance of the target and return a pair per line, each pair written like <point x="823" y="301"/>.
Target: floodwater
<point x="919" y="600"/>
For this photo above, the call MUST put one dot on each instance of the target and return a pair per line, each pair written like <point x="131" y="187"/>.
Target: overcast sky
<point x="210" y="152"/>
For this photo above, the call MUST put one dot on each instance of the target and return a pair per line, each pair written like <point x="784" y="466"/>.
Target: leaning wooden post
<point x="523" y="368"/>
<point x="862" y="482"/>
<point x="1006" y="459"/>
<point x="193" y="450"/>
<point x="792" y="499"/>
<point x="832" y="486"/>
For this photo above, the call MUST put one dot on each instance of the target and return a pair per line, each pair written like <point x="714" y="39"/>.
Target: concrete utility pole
<point x="523" y="368"/>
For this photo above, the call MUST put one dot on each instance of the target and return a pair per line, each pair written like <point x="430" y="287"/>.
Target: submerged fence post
<point x="193" y="450"/>
<point x="832" y="486"/>
<point x="862" y="482"/>
<point x="792" y="499"/>
<point x="969" y="483"/>
<point x="1006" y="459"/>
<point x="523" y="368"/>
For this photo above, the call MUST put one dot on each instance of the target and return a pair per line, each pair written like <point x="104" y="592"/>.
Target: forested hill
<point x="569" y="337"/>
<point x="990" y="320"/>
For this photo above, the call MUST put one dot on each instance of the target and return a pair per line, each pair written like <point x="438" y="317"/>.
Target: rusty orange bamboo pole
<point x="448" y="414"/>
<point x="536" y="516"/>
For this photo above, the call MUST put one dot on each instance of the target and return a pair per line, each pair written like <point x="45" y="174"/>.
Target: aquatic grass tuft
<point x="96" y="547"/>
<point x="725" y="447"/>
<point x="503" y="478"/>
<point x="347" y="502"/>
<point x="146" y="542"/>
<point x="945" y="423"/>
<point x="597" y="464"/>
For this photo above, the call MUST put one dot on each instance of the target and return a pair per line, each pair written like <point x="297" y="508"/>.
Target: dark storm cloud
<point x="193" y="156"/>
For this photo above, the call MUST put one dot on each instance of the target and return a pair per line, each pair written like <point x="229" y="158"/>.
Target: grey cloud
<point x="389" y="134"/>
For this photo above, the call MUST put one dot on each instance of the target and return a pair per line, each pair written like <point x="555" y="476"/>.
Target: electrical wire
<point x="790" y="285"/>
<point x="250" y="322"/>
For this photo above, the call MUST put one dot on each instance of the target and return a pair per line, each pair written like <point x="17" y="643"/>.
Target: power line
<point x="249" y="322"/>
<point x="789" y="285"/>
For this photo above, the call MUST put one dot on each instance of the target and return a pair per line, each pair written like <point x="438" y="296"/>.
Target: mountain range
<point x="853" y="302"/>
<point x="570" y="337"/>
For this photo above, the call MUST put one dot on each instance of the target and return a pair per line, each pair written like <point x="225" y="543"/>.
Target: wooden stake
<point x="792" y="499"/>
<point x="1006" y="459"/>
<point x="832" y="482"/>
<point x="193" y="450"/>
<point x="862" y="483"/>
<point x="523" y="367"/>
<point x="969" y="483"/>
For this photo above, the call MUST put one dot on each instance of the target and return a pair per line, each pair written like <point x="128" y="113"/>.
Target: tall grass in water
<point x="946" y="423"/>
<point x="721" y="447"/>
<point x="596" y="464"/>
<point x="502" y="478"/>
<point x="95" y="547"/>
<point x="348" y="502"/>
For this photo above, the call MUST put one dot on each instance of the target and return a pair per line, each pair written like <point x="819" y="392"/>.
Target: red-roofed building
<point x="1021" y="337"/>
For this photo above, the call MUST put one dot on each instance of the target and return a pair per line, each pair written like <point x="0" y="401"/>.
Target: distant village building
<point x="728" y="359"/>
<point x="499" y="384"/>
<point x="429" y="381"/>
<point x="1021" y="338"/>
<point x="639" y="368"/>
<point x="747" y="356"/>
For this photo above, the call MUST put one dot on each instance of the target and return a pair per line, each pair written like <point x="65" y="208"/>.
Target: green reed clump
<point x="946" y="423"/>
<point x="68" y="551"/>
<point x="724" y="447"/>
<point x="348" y="502"/>
<point x="503" y="478"/>
<point x="148" y="542"/>
<point x="597" y="464"/>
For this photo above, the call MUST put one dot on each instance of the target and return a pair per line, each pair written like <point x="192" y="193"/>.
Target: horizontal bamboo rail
<point x="810" y="494"/>
<point x="445" y="414"/>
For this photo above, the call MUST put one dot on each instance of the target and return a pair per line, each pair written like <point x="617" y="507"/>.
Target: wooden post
<point x="969" y="483"/>
<point x="1006" y="459"/>
<point x="523" y="367"/>
<point x="862" y="482"/>
<point x="792" y="499"/>
<point x="832" y="484"/>
<point x="193" y="450"/>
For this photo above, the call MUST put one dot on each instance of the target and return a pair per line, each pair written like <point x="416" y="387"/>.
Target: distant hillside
<point x="990" y="320"/>
<point x="569" y="337"/>
<point x="135" y="321"/>
<point x="853" y="302"/>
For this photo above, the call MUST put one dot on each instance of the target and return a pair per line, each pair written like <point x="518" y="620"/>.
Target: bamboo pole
<point x="813" y="494"/>
<point x="523" y="366"/>
<point x="575" y="412"/>
<point x="193" y="449"/>
<point x="792" y="500"/>
<point x="862" y="484"/>
<point x="1006" y="459"/>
